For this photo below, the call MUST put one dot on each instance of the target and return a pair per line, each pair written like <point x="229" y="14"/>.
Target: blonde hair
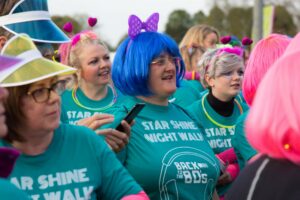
<point x="70" y="52"/>
<point x="195" y="37"/>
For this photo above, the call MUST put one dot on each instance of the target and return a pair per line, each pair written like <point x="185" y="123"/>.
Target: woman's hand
<point x="96" y="121"/>
<point x="117" y="140"/>
<point x="224" y="179"/>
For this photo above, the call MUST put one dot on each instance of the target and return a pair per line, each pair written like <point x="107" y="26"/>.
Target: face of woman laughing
<point x="162" y="81"/>
<point x="95" y="64"/>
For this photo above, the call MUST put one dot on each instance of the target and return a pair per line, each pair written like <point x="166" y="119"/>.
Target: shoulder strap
<point x="256" y="178"/>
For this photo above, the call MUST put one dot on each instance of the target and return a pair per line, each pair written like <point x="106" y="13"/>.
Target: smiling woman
<point x="53" y="157"/>
<point x="217" y="111"/>
<point x="148" y="67"/>
<point x="93" y="94"/>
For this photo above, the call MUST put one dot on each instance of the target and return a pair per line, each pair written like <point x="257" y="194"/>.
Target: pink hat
<point x="7" y="65"/>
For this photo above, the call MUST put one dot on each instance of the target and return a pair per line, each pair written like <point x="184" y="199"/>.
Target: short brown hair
<point x="13" y="112"/>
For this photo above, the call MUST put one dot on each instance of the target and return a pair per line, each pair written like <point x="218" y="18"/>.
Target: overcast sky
<point x="113" y="14"/>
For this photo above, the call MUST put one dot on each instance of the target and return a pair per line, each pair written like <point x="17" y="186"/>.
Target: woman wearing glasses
<point x="58" y="161"/>
<point x="217" y="111"/>
<point x="166" y="154"/>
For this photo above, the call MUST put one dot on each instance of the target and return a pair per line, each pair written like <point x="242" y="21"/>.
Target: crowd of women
<point x="216" y="124"/>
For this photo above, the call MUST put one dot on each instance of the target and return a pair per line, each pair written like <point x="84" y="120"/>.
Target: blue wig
<point x="131" y="66"/>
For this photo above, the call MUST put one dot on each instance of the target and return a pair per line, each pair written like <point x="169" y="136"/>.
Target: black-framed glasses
<point x="163" y="60"/>
<point x="42" y="95"/>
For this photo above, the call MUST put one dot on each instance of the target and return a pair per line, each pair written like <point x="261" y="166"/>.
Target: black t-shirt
<point x="265" y="179"/>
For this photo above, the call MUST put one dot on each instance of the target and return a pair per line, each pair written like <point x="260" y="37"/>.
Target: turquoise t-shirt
<point x="185" y="95"/>
<point x="72" y="112"/>
<point x="76" y="165"/>
<point x="167" y="154"/>
<point x="196" y="84"/>
<point x="218" y="136"/>
<point x="218" y="130"/>
<point x="10" y="191"/>
<point x="240" y="98"/>
<point x="242" y="148"/>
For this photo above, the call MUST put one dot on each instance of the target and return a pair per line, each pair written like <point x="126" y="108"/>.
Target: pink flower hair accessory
<point x="75" y="39"/>
<point x="232" y="50"/>
<point x="83" y="34"/>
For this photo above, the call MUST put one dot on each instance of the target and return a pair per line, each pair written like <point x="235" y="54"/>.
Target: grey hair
<point x="214" y="64"/>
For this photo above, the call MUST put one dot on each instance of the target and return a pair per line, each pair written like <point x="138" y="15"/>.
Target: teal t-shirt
<point x="185" y="95"/>
<point x="10" y="191"/>
<point x="71" y="112"/>
<point x="242" y="148"/>
<point x="76" y="165"/>
<point x="167" y="154"/>
<point x="240" y="98"/>
<point x="218" y="130"/>
<point x="196" y="84"/>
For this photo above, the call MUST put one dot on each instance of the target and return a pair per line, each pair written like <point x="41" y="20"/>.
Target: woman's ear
<point x="209" y="80"/>
<point x="3" y="40"/>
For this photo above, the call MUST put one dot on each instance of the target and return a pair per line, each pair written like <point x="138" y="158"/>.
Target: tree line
<point x="233" y="21"/>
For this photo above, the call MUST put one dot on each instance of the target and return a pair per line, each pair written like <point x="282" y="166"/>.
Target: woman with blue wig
<point x="166" y="154"/>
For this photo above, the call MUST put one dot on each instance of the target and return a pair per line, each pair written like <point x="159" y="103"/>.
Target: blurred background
<point x="252" y="18"/>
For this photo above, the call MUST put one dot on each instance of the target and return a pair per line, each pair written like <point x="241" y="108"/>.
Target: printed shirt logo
<point x="42" y="187"/>
<point x="188" y="172"/>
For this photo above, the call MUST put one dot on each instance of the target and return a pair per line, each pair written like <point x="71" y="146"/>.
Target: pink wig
<point x="264" y="54"/>
<point x="294" y="46"/>
<point x="64" y="52"/>
<point x="273" y="124"/>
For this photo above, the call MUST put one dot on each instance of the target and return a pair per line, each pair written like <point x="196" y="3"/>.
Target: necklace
<point x="212" y="120"/>
<point x="113" y="101"/>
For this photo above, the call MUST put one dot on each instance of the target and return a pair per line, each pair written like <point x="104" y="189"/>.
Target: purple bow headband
<point x="136" y="25"/>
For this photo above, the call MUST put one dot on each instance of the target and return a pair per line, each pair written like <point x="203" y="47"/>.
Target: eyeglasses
<point x="161" y="61"/>
<point x="43" y="94"/>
